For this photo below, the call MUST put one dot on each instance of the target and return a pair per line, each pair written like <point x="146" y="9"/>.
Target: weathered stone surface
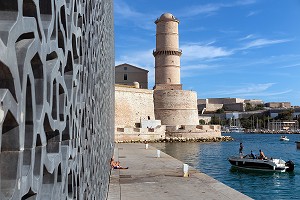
<point x="176" y="107"/>
<point x="56" y="98"/>
<point x="132" y="106"/>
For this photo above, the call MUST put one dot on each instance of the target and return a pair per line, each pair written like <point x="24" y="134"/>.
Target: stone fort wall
<point x="56" y="98"/>
<point x="132" y="105"/>
<point x="176" y="107"/>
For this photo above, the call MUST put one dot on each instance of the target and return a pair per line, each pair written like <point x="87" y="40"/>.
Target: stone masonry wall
<point x="131" y="105"/>
<point x="176" y="107"/>
<point x="56" y="98"/>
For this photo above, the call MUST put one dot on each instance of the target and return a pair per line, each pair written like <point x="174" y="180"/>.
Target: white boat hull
<point x="275" y="165"/>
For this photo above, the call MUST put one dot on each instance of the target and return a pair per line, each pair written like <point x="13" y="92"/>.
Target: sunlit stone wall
<point x="56" y="98"/>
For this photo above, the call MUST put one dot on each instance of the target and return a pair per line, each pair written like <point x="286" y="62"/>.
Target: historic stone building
<point x="126" y="74"/>
<point x="167" y="111"/>
<point x="56" y="98"/>
<point x="172" y="105"/>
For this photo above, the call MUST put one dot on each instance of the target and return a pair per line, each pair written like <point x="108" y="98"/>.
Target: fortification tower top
<point x="167" y="53"/>
<point x="167" y="17"/>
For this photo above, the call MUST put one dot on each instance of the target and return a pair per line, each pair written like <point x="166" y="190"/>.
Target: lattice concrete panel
<point x="56" y="98"/>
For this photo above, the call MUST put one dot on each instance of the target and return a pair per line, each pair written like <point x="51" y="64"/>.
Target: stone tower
<point x="172" y="105"/>
<point x="167" y="53"/>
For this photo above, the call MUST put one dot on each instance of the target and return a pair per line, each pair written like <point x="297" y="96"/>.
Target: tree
<point x="201" y="122"/>
<point x="221" y="110"/>
<point x="285" y="115"/>
<point x="214" y="120"/>
<point x="248" y="107"/>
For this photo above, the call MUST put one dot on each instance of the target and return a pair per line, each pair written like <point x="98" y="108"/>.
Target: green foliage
<point x="249" y="107"/>
<point x="218" y="121"/>
<point x="214" y="120"/>
<point x="285" y="115"/>
<point x="201" y="122"/>
<point x="246" y="123"/>
<point x="221" y="110"/>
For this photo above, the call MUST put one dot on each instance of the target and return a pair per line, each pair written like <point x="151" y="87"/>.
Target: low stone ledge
<point x="178" y="139"/>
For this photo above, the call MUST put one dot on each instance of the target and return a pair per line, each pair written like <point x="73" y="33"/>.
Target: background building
<point x="126" y="74"/>
<point x="278" y="104"/>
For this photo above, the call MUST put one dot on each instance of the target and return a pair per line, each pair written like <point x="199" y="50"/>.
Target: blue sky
<point x="245" y="48"/>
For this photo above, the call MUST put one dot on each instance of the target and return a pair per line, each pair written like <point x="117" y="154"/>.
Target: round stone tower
<point x="172" y="105"/>
<point x="167" y="53"/>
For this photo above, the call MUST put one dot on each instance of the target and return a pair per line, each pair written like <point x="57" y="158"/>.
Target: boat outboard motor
<point x="290" y="164"/>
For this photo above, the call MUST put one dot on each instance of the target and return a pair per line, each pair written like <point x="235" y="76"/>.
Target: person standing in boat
<point x="241" y="148"/>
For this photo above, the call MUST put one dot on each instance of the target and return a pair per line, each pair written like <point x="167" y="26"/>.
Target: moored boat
<point x="284" y="138"/>
<point x="236" y="129"/>
<point x="298" y="144"/>
<point x="273" y="164"/>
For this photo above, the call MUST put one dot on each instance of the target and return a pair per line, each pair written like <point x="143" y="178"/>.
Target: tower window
<point x="125" y="77"/>
<point x="125" y="68"/>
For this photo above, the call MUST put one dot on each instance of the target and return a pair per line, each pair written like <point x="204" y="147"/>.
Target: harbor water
<point x="212" y="159"/>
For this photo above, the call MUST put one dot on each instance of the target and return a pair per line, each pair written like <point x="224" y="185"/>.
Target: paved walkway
<point x="152" y="178"/>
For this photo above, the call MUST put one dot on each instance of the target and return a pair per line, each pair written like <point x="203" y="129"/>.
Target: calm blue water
<point x="211" y="158"/>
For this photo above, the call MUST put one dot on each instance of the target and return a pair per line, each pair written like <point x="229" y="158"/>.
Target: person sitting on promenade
<point x="116" y="165"/>
<point x="262" y="155"/>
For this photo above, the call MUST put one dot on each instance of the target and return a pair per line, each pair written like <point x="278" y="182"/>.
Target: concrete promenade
<point x="152" y="178"/>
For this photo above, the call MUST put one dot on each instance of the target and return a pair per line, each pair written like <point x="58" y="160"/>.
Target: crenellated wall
<point x="176" y="107"/>
<point x="56" y="98"/>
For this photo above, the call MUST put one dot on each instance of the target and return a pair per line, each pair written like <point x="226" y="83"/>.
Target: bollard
<point x="158" y="153"/>
<point x="185" y="170"/>
<point x="146" y="146"/>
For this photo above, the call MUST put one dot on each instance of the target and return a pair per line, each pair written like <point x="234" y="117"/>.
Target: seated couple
<point x="261" y="155"/>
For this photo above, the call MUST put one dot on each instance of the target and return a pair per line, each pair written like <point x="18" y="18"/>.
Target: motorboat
<point x="251" y="163"/>
<point x="298" y="144"/>
<point x="284" y="138"/>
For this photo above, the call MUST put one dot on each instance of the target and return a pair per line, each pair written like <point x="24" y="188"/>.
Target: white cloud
<point x="210" y="9"/>
<point x="195" y="67"/>
<point x="124" y="13"/>
<point x="249" y="90"/>
<point x="202" y="9"/>
<point x="194" y="70"/>
<point x="245" y="2"/>
<point x="252" y="13"/>
<point x="124" y="10"/>
<point x="263" y="42"/>
<point x="197" y="52"/>
<point x="247" y="37"/>
<point x="289" y="66"/>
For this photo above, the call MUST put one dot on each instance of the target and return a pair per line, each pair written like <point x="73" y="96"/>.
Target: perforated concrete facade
<point x="56" y="98"/>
